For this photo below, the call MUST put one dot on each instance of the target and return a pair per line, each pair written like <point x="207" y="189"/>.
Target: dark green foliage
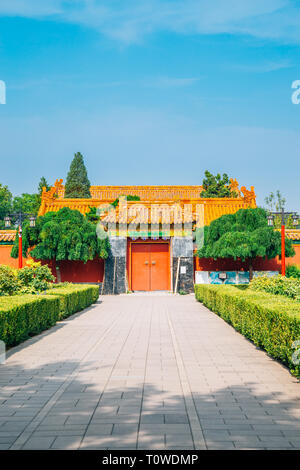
<point x="29" y="203"/>
<point x="272" y="322"/>
<point x="293" y="270"/>
<point x="43" y="183"/>
<point x="22" y="316"/>
<point x="216" y="186"/>
<point x="30" y="237"/>
<point x="244" y="235"/>
<point x="278" y="285"/>
<point x="92" y="215"/>
<point x="63" y="235"/>
<point x="77" y="183"/>
<point x="129" y="197"/>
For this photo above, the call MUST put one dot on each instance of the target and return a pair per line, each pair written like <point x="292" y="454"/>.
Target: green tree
<point x="43" y="183"/>
<point x="5" y="203"/>
<point x="216" y="186"/>
<point x="63" y="235"/>
<point x="244" y="235"/>
<point x="26" y="203"/>
<point x="77" y="183"/>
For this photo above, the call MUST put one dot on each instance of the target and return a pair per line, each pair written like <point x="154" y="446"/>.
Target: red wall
<point x="5" y="257"/>
<point x="77" y="271"/>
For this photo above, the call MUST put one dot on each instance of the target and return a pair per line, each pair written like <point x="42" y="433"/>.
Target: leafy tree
<point x="63" y="235"/>
<point x="244" y="235"/>
<point x="77" y="183"/>
<point x="216" y="186"/>
<point x="26" y="203"/>
<point x="5" y="203"/>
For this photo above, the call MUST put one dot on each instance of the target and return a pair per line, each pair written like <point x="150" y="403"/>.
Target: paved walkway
<point x="146" y="372"/>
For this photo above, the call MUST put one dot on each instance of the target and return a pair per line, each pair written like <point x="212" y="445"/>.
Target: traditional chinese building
<point x="153" y="239"/>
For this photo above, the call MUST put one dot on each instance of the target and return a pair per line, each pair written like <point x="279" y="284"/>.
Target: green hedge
<point x="278" y="285"/>
<point x="74" y="297"/>
<point x="22" y="316"/>
<point x="272" y="322"/>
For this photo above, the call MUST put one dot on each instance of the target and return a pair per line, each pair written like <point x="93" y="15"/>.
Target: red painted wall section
<point x="296" y="258"/>
<point x="77" y="271"/>
<point x="5" y="257"/>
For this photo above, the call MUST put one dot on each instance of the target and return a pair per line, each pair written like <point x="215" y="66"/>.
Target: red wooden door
<point x="140" y="266"/>
<point x="150" y="266"/>
<point x="159" y="272"/>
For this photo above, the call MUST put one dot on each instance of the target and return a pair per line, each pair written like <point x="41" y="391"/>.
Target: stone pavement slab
<point x="146" y="372"/>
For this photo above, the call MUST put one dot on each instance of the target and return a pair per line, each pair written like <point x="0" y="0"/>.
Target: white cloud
<point x="129" y="21"/>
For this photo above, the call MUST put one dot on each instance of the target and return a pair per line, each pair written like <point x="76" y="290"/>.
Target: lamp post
<point x="17" y="219"/>
<point x="283" y="215"/>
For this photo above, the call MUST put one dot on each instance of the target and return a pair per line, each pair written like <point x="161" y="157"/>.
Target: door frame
<point x="129" y="253"/>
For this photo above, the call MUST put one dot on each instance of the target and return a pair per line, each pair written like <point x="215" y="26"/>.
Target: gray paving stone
<point x="153" y="418"/>
<point x="66" y="443"/>
<point x="176" y="418"/>
<point x="193" y="376"/>
<point x="99" y="429"/>
<point x="36" y="443"/>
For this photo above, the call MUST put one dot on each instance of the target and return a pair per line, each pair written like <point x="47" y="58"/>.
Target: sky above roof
<point x="151" y="92"/>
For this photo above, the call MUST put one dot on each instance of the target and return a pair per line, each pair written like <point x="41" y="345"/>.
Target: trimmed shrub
<point x="22" y="316"/>
<point x="74" y="297"/>
<point x="278" y="285"/>
<point x="272" y="322"/>
<point x="25" y="316"/>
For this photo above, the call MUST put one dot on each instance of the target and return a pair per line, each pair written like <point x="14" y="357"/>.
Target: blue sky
<point x="151" y="92"/>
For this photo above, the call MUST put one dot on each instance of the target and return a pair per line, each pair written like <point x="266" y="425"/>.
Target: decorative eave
<point x="293" y="234"/>
<point x="7" y="237"/>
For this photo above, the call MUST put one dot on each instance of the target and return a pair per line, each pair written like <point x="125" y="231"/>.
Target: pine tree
<point x="77" y="183"/>
<point x="43" y="183"/>
<point x="216" y="186"/>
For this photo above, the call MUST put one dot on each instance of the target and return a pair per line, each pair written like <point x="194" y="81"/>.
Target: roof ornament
<point x="234" y="187"/>
<point x="249" y="196"/>
<point x="48" y="196"/>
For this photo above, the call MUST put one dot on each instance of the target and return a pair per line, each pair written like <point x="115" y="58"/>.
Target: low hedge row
<point x="272" y="322"/>
<point x="74" y="297"/>
<point x="22" y="316"/>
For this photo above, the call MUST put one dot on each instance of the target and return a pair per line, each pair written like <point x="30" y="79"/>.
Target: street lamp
<point x="295" y="218"/>
<point x="17" y="219"/>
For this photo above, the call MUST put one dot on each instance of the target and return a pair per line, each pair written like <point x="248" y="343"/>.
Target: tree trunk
<point x="57" y="269"/>
<point x="250" y="271"/>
